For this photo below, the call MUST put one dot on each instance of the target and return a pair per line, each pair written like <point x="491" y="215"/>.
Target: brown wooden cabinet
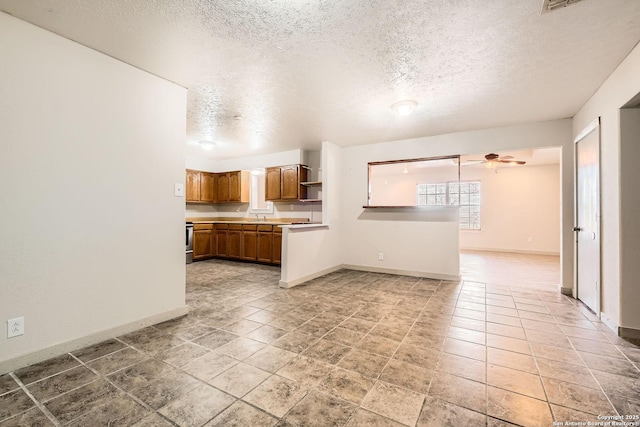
<point x="250" y="242"/>
<point x="192" y="186"/>
<point x="277" y="245"/>
<point x="221" y="240"/>
<point x="202" y="247"/>
<point x="234" y="241"/>
<point x="283" y="183"/>
<point x="207" y="189"/>
<point x="222" y="187"/>
<point x="265" y="243"/>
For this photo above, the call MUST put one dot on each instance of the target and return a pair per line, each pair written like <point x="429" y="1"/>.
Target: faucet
<point x="257" y="217"/>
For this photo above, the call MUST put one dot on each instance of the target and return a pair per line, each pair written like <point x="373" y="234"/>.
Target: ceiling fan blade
<point x="513" y="162"/>
<point x="472" y="162"/>
<point x="506" y="157"/>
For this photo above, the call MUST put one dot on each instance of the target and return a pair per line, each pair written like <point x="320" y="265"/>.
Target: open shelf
<point x="311" y="183"/>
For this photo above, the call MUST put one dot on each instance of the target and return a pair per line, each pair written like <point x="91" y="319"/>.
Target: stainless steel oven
<point x="189" y="241"/>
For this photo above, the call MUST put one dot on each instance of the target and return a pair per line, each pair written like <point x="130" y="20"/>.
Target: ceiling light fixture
<point x="404" y="108"/>
<point x="207" y="145"/>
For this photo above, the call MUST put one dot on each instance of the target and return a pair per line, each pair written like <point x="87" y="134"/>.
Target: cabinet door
<point x="234" y="244"/>
<point x="206" y="187"/>
<point x="277" y="248"/>
<point x="290" y="182"/>
<point x="265" y="246"/>
<point x="221" y="243"/>
<point x="222" y="192"/>
<point x="192" y="186"/>
<point x="249" y="245"/>
<point x="201" y="244"/>
<point x="235" y="190"/>
<point x="272" y="184"/>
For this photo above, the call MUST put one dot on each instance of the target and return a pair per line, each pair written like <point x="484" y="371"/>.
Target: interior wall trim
<point x="15" y="363"/>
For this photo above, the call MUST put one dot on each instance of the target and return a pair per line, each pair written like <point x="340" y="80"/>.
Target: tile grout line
<point x="37" y="402"/>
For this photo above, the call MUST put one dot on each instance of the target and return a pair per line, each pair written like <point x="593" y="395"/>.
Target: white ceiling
<point x="303" y="71"/>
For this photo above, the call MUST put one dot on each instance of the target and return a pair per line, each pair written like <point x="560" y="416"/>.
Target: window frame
<point x="447" y="202"/>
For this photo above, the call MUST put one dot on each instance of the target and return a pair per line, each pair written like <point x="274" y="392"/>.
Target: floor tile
<point x="305" y="370"/>
<point x="118" y="409"/>
<point x="459" y="391"/>
<point x="183" y="354"/>
<point x="510" y="359"/>
<point x="241" y="348"/>
<point x="368" y="364"/>
<point x="276" y="395"/>
<point x="509" y="344"/>
<point x="618" y="384"/>
<point x="45" y="369"/>
<point x="31" y="418"/>
<point x="409" y="376"/>
<point x="266" y="334"/>
<point x="51" y="387"/>
<point x="577" y="397"/>
<point x="295" y="341"/>
<point x="197" y="406"/>
<point x="566" y="372"/>
<point x="164" y="389"/>
<point x="98" y="350"/>
<point x="437" y="413"/>
<point x="270" y="358"/>
<point x="364" y="418"/>
<point x="596" y="347"/>
<point x="210" y="365"/>
<point x="358" y="325"/>
<point x="516" y="381"/>
<point x="378" y="345"/>
<point x="7" y="384"/>
<point x="417" y="356"/>
<point x="115" y="361"/>
<point x="76" y="403"/>
<point x="464" y="348"/>
<point x="327" y="351"/>
<point x="239" y="379"/>
<point x="153" y="420"/>
<point x="610" y="364"/>
<point x="241" y="414"/>
<point x="13" y="403"/>
<point x="556" y="353"/>
<point x="562" y="414"/>
<point x="506" y="330"/>
<point x="319" y="409"/>
<point x="216" y="339"/>
<point x="394" y="402"/>
<point x="518" y="409"/>
<point x="467" y="335"/>
<point x="346" y="385"/>
<point x="463" y="367"/>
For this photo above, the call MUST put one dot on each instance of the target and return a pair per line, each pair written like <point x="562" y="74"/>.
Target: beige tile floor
<point x="350" y="348"/>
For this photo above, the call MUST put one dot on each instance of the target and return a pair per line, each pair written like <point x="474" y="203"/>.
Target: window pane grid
<point x="465" y="194"/>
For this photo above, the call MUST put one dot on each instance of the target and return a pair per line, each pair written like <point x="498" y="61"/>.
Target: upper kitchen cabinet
<point x="199" y="186"/>
<point x="284" y="183"/>
<point x="232" y="187"/>
<point x="224" y="187"/>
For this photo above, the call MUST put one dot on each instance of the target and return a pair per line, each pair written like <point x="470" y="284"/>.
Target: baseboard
<point x="515" y="251"/>
<point x="13" y="364"/>
<point x="412" y="273"/>
<point x="629" y="333"/>
<point x="300" y="280"/>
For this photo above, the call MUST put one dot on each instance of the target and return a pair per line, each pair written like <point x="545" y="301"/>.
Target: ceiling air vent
<point x="551" y="5"/>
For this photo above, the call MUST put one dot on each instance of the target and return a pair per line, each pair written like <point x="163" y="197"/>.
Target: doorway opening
<point x="513" y="234"/>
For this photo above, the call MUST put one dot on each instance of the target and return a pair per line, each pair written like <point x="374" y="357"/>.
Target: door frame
<point x="591" y="127"/>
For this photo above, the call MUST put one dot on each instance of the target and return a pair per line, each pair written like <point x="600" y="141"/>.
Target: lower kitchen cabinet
<point x="265" y="243"/>
<point x="202" y="247"/>
<point x="221" y="240"/>
<point x="248" y="242"/>
<point x="234" y="241"/>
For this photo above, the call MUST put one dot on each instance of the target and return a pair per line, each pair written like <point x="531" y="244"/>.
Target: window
<point x="465" y="194"/>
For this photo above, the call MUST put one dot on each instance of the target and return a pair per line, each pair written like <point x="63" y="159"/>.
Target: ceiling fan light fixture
<point x="404" y="108"/>
<point x="207" y="145"/>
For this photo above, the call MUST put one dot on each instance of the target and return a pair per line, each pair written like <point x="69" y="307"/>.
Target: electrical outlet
<point x="380" y="256"/>
<point x="15" y="327"/>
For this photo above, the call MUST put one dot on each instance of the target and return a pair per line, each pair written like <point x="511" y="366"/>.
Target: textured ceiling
<point x="303" y="71"/>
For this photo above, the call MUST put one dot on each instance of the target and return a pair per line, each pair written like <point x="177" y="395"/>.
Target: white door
<point x="587" y="226"/>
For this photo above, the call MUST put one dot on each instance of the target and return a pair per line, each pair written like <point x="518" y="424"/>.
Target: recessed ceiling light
<point x="404" y="108"/>
<point x="207" y="145"/>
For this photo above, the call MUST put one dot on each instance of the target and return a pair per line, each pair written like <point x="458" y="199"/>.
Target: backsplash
<point x="310" y="211"/>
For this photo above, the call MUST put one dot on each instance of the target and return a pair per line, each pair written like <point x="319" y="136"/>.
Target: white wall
<point x="309" y="253"/>
<point x="91" y="236"/>
<point x="616" y="91"/>
<point x="516" y="203"/>
<point x="363" y="238"/>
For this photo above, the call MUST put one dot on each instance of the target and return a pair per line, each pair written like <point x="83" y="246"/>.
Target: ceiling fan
<point x="493" y="160"/>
